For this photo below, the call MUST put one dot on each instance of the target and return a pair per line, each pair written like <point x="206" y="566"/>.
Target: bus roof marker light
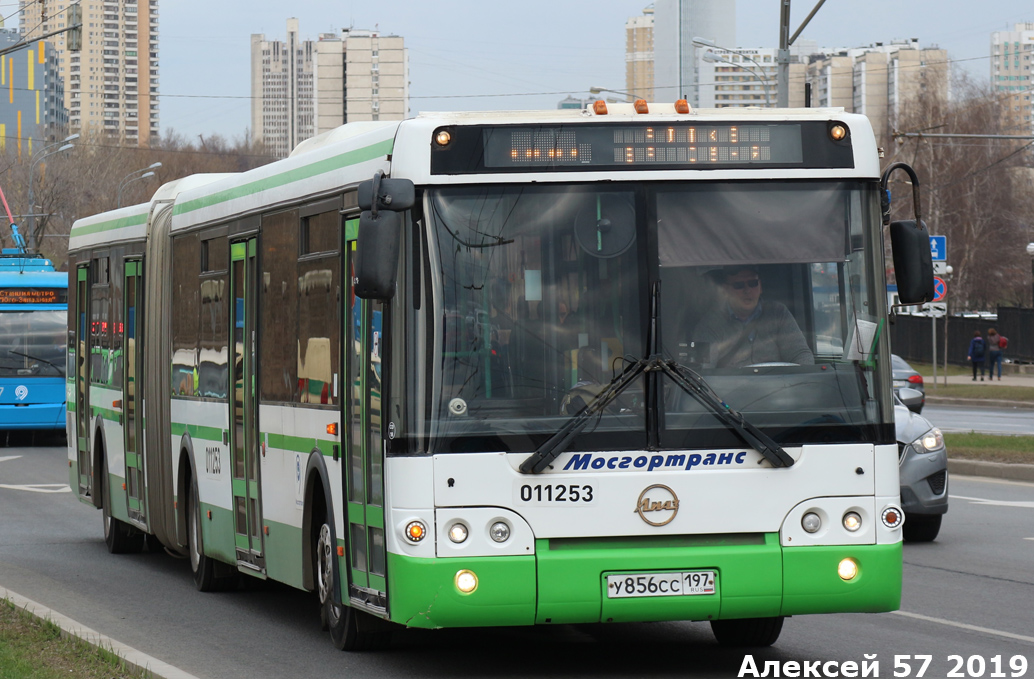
<point x="416" y="531"/>
<point x="847" y="569"/>
<point x="466" y="581"/>
<point x="838" y="132"/>
<point x="599" y="107"/>
<point x="641" y="106"/>
<point x="682" y="106"/>
<point x="442" y="137"/>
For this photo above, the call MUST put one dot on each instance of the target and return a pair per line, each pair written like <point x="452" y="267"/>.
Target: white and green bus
<point x="489" y="369"/>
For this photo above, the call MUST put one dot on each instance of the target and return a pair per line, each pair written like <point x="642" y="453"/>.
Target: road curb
<point x="133" y="658"/>
<point x="997" y="470"/>
<point x="977" y="402"/>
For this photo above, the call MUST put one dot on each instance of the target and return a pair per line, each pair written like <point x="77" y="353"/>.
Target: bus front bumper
<point x="32" y="416"/>
<point x="565" y="582"/>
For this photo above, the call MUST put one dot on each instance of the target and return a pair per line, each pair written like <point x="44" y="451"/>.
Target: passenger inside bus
<point x="744" y="329"/>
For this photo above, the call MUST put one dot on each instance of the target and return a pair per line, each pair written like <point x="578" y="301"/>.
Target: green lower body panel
<point x="566" y="582"/>
<point x="811" y="583"/>
<point x="422" y="592"/>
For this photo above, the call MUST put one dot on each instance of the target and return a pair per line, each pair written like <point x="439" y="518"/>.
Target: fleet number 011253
<point x="552" y="493"/>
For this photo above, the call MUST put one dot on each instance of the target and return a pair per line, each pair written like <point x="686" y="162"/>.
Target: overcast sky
<point x="486" y="54"/>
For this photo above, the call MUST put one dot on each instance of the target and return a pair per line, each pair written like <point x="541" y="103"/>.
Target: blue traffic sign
<point x="939" y="248"/>
<point x="940" y="288"/>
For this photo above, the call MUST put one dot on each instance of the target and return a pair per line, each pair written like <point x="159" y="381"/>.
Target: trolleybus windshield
<point x="32" y="343"/>
<point x="545" y="297"/>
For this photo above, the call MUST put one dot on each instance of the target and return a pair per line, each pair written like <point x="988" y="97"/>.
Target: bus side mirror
<point x="913" y="262"/>
<point x="392" y="194"/>
<point x="377" y="254"/>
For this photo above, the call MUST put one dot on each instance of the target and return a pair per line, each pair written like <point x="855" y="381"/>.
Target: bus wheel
<point x="341" y="620"/>
<point x="747" y="631"/>
<point x="118" y="536"/>
<point x="204" y="568"/>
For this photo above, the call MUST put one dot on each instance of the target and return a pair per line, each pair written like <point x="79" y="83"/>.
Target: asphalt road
<point x="968" y="594"/>
<point x="1015" y="421"/>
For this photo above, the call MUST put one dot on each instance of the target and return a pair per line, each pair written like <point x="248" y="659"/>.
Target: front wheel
<point x="747" y="632"/>
<point x="205" y="570"/>
<point x="120" y="537"/>
<point x="341" y="620"/>
<point x="921" y="527"/>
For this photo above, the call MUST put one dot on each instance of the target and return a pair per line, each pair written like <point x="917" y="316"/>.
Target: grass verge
<point x="982" y="390"/>
<point x="34" y="649"/>
<point x="990" y="448"/>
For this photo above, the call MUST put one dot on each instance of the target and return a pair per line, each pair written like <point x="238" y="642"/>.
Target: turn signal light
<point x="416" y="531"/>
<point x="599" y="107"/>
<point x="340" y="550"/>
<point x="117" y="403"/>
<point x="332" y="428"/>
<point x="641" y="106"/>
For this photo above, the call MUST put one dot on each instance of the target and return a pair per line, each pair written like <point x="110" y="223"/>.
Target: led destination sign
<point x="682" y="145"/>
<point x="33" y="296"/>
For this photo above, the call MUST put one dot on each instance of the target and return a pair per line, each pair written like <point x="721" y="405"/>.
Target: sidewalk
<point x="1007" y="380"/>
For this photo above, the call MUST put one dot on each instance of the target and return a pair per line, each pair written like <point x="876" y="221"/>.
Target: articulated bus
<point x="469" y="370"/>
<point x="33" y="304"/>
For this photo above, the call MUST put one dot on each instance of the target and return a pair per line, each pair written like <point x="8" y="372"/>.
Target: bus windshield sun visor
<point x="688" y="381"/>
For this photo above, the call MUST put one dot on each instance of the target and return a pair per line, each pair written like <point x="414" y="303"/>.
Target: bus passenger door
<point x="82" y="380"/>
<point x="247" y="501"/>
<point x="365" y="450"/>
<point x="132" y="360"/>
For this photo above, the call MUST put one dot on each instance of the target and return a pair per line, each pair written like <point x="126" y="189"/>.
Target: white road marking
<point x="1032" y="539"/>
<point x="995" y="503"/>
<point x="971" y="628"/>
<point x="152" y="666"/>
<point x="39" y="487"/>
<point x="9" y="457"/>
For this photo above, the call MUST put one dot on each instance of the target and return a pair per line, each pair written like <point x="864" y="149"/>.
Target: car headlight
<point x="929" y="442"/>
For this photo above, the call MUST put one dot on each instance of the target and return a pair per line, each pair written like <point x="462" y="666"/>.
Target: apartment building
<point x="639" y="57"/>
<point x="1012" y="54"/>
<point x="301" y="88"/>
<point x="745" y="77"/>
<point x="111" y="86"/>
<point x="32" y="95"/>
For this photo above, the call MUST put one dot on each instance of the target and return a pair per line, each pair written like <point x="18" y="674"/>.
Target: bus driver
<point x="745" y="330"/>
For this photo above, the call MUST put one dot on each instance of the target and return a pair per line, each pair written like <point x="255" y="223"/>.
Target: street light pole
<point x="126" y="181"/>
<point x="40" y="155"/>
<point x="785" y="40"/>
<point x="1030" y="251"/>
<point x="598" y="90"/>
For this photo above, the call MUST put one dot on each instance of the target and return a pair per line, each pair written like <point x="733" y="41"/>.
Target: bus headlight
<point x="500" y="532"/>
<point x="458" y="533"/>
<point x="811" y="522"/>
<point x="852" y="521"/>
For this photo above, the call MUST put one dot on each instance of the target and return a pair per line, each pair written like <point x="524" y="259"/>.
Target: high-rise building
<point x="111" y="86"/>
<point x="639" y="58"/>
<point x="746" y="77"/>
<point x="1012" y="55"/>
<point x="282" y="90"/>
<point x="676" y="23"/>
<point x="304" y="88"/>
<point x="360" y="75"/>
<point x="32" y="95"/>
<point x="879" y="81"/>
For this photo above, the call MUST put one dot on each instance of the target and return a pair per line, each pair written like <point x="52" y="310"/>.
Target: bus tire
<point x="118" y="536"/>
<point x="204" y="569"/>
<point x="747" y="632"/>
<point x="921" y="528"/>
<point x="341" y="620"/>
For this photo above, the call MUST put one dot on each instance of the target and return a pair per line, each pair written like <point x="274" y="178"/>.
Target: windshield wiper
<point x="558" y="442"/>
<point x="34" y="358"/>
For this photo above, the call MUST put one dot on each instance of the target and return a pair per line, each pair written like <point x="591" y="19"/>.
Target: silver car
<point x="923" y="467"/>
<point x="907" y="378"/>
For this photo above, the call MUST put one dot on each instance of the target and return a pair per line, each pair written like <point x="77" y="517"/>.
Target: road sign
<point x="935" y="309"/>
<point x="940" y="268"/>
<point x="939" y="248"/>
<point x="940" y="289"/>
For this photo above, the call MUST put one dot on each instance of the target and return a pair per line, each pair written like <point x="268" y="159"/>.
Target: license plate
<point x="687" y="583"/>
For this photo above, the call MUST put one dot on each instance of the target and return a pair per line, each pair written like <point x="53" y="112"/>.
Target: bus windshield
<point x="32" y="344"/>
<point x="765" y="289"/>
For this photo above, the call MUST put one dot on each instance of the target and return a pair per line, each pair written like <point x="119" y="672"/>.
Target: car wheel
<point x="747" y="631"/>
<point x="921" y="528"/>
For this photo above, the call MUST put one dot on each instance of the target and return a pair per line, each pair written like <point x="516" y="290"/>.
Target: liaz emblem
<point x="657" y="505"/>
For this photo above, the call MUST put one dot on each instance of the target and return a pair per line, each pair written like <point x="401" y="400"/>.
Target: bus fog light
<point x="458" y="533"/>
<point x="499" y="531"/>
<point x="416" y="531"/>
<point x="466" y="581"/>
<point x="852" y="521"/>
<point x="847" y="569"/>
<point x="811" y="522"/>
<point x="893" y="517"/>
